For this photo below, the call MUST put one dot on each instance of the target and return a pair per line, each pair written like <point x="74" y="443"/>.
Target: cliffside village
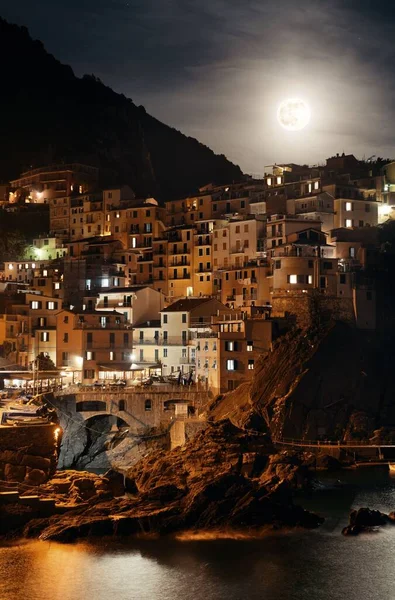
<point x="124" y="289"/>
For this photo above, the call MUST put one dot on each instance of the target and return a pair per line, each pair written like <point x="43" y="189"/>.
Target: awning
<point x="115" y="366"/>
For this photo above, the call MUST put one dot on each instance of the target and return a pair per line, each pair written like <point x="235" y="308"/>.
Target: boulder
<point x="14" y="473"/>
<point x="364" y="519"/>
<point x="35" y="476"/>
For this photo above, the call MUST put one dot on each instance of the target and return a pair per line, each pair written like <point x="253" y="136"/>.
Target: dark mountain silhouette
<point x="49" y="115"/>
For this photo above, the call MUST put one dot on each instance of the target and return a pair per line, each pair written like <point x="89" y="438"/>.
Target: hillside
<point x="50" y="115"/>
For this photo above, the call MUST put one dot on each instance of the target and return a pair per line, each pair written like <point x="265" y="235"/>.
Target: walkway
<point x="331" y="444"/>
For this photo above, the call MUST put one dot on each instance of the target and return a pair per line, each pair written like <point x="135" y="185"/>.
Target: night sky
<point x="217" y="69"/>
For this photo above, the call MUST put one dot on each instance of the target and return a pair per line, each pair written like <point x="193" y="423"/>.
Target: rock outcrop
<point x="365" y="519"/>
<point x="28" y="454"/>
<point x="334" y="383"/>
<point x="224" y="478"/>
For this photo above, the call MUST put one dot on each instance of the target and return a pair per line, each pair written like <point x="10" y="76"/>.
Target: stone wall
<point x="306" y="308"/>
<point x="28" y="454"/>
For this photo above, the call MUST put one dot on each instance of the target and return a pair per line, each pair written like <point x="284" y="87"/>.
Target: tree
<point x="13" y="245"/>
<point x="44" y="363"/>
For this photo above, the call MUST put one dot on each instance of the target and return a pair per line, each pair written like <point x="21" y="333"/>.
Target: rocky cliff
<point x="49" y="115"/>
<point x="223" y="479"/>
<point x="334" y="383"/>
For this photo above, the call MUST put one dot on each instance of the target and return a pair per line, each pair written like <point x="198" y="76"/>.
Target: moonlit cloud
<point x="217" y="69"/>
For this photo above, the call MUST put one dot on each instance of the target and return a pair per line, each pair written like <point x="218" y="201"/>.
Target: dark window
<point x="327" y="265"/>
<point x="311" y="264"/>
<point x="342" y="278"/>
<point x="184" y="318"/>
<point x="148" y="405"/>
<point x="165" y="318"/>
<point x="121" y="405"/>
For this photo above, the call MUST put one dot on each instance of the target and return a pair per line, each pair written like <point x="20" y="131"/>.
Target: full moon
<point x="293" y="114"/>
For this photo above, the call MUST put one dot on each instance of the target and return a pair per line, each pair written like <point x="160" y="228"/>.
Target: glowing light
<point x="293" y="114"/>
<point x="79" y="361"/>
<point x="57" y="433"/>
<point x="132" y="357"/>
<point x="384" y="210"/>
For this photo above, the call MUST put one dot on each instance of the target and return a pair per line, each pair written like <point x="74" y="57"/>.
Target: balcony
<point x="185" y="251"/>
<point x="181" y="277"/>
<point x="107" y="326"/>
<point x="161" y="341"/>
<point x="180" y="263"/>
<point x="187" y="361"/>
<point x="145" y="259"/>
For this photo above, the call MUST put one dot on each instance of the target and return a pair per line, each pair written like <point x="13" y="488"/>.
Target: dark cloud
<point x="218" y="68"/>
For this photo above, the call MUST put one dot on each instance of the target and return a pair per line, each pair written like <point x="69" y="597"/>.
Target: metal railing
<point x="334" y="443"/>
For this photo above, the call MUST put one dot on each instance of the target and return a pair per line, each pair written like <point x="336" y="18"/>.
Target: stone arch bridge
<point x="139" y="408"/>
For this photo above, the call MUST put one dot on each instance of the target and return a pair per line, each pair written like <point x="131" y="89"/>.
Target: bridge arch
<point x="91" y="406"/>
<point x="120" y="419"/>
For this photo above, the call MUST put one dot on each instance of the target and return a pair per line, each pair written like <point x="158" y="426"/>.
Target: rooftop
<point x="185" y="304"/>
<point x="152" y="323"/>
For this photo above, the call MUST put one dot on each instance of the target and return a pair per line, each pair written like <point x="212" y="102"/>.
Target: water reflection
<point x="318" y="565"/>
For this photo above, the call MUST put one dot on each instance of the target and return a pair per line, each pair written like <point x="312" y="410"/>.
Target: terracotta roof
<point x="186" y="304"/>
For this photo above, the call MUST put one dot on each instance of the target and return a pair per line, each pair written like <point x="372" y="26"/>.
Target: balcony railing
<point x="161" y="341"/>
<point x="107" y="326"/>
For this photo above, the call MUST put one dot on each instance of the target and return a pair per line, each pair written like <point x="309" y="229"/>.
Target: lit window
<point x="51" y="305"/>
<point x="278" y="180"/>
<point x="112" y="355"/>
<point x="230" y="365"/>
<point x="117" y="215"/>
<point x="309" y="279"/>
<point x="249" y="346"/>
<point x="45" y="273"/>
<point x="89" y="355"/>
<point x="316" y="185"/>
<point x="134" y="243"/>
<point x="26" y="266"/>
<point x="348" y="222"/>
<point x="269" y="181"/>
<point x="229" y="346"/>
<point x="34" y="305"/>
<point x="44" y="336"/>
<point x="293" y="279"/>
<point x="105" y="282"/>
<point x="10" y="267"/>
<point x="251" y="364"/>
<point x="33" y="265"/>
<point x="57" y="286"/>
<point x="310" y="187"/>
<point x="348" y="206"/>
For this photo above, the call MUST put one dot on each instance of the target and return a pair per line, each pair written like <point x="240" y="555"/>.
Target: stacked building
<point x="196" y="290"/>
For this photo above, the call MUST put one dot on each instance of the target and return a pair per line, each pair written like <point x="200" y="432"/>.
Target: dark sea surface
<point x="298" y="565"/>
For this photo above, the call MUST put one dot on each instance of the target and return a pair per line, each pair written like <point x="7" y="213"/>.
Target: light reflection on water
<point x="317" y="565"/>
